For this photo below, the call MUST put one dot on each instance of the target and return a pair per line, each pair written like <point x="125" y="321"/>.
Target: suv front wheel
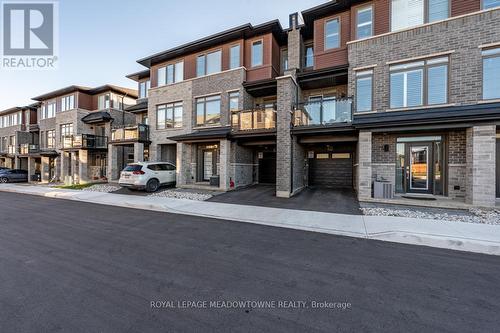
<point x="152" y="185"/>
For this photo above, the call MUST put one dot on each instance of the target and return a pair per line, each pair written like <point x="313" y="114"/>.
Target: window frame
<point x="307" y="46"/>
<point x="231" y="48"/>
<point x="325" y="37"/>
<point x="204" y="98"/>
<point x="50" y="142"/>
<point x="173" y="107"/>
<point x="70" y="130"/>
<point x="261" y="41"/>
<point x="104" y="107"/>
<point x="363" y="74"/>
<point x="233" y="95"/>
<point x="482" y="6"/>
<point x="356" y="22"/>
<point x="147" y="86"/>
<point x="165" y="68"/>
<point x="495" y="54"/>
<point x="425" y="79"/>
<point x="425" y="15"/>
<point x="205" y="62"/>
<point x="65" y="103"/>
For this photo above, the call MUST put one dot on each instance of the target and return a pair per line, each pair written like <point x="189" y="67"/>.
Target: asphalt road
<point x="73" y="267"/>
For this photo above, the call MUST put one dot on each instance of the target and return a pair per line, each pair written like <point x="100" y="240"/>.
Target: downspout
<point x="291" y="136"/>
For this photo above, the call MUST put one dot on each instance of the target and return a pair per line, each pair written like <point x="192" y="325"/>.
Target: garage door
<point x="267" y="168"/>
<point x="331" y="170"/>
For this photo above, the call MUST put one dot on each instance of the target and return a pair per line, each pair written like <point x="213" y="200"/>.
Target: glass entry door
<point x="208" y="162"/>
<point x="419" y="169"/>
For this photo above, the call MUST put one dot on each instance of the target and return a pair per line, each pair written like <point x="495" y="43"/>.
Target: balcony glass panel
<point x="324" y="112"/>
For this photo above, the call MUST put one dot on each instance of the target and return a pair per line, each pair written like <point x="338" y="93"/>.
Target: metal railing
<point x="27" y="148"/>
<point x="86" y="141"/>
<point x="254" y="119"/>
<point x="323" y="112"/>
<point x="139" y="133"/>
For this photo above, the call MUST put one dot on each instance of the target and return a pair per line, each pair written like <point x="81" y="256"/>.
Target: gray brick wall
<point x="461" y="35"/>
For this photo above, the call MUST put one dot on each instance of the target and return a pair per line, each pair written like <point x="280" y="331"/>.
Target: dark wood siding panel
<point x="266" y="70"/>
<point x="461" y="7"/>
<point x="85" y="101"/>
<point x="334" y="57"/>
<point x="276" y="57"/>
<point x="382" y="16"/>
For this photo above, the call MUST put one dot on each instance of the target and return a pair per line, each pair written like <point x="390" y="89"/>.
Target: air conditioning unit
<point x="382" y="190"/>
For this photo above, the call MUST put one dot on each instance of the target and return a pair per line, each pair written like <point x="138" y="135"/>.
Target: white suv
<point x="147" y="175"/>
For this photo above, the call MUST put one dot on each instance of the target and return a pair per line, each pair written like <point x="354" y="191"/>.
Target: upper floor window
<point x="409" y="13"/>
<point x="257" y="53"/>
<point x="284" y="59"/>
<point x="234" y="101"/>
<point x="234" y="57"/>
<point x="144" y="87"/>
<point x="103" y="102"/>
<point x="66" y="130"/>
<point x="118" y="102"/>
<point x="48" y="110"/>
<point x="68" y="103"/>
<point x="208" y="110"/>
<point x="364" y="22"/>
<point x="491" y="74"/>
<point x="309" y="57"/>
<point x="12" y="119"/>
<point x="51" y="139"/>
<point x="171" y="73"/>
<point x="364" y="90"/>
<point x="487" y="4"/>
<point x="169" y="115"/>
<point x="210" y="63"/>
<point x="419" y="83"/>
<point x="332" y="34"/>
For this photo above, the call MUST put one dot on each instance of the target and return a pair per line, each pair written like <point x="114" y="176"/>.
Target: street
<point x="77" y="267"/>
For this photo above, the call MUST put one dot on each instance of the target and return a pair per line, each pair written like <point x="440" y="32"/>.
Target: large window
<point x="169" y="115"/>
<point x="51" y="139"/>
<point x="103" y="102"/>
<point x="171" y="73"/>
<point x="210" y="63"/>
<point x="487" y="4"/>
<point x="234" y="57"/>
<point x="234" y="101"/>
<point x="12" y="119"/>
<point x="144" y="87"/>
<point x="68" y="103"/>
<point x="364" y="22"/>
<point x="309" y="57"/>
<point x="419" y="83"/>
<point x="48" y="110"/>
<point x="364" y="90"/>
<point x="208" y="110"/>
<point x="491" y="74"/>
<point x="257" y="54"/>
<point x="332" y="34"/>
<point x="409" y="13"/>
<point x="66" y="130"/>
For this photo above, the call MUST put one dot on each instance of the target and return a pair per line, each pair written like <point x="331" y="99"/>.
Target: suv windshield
<point x="133" y="167"/>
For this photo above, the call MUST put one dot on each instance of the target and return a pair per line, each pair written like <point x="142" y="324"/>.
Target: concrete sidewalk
<point x="443" y="234"/>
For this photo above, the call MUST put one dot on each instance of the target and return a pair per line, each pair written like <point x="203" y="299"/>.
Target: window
<point x="169" y="115"/>
<point x="48" y="110"/>
<point x="491" y="74"/>
<point x="257" y="54"/>
<point x="68" y="103"/>
<point x="364" y="90"/>
<point x="409" y="13"/>
<point x="364" y="22"/>
<point x="171" y="73"/>
<point x="408" y="82"/>
<point x="234" y="101"/>
<point x="210" y="63"/>
<point x="118" y="102"/>
<point x="284" y="59"/>
<point x="208" y="110"/>
<point x="51" y="139"/>
<point x="144" y="87"/>
<point x="309" y="57"/>
<point x="332" y="34"/>
<point x="487" y="4"/>
<point x="66" y="130"/>
<point x="103" y="102"/>
<point x="200" y="66"/>
<point x="234" y="57"/>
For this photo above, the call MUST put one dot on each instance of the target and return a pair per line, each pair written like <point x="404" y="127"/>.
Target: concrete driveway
<point x="340" y="201"/>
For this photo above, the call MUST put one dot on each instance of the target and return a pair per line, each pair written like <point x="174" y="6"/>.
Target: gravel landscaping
<point x="473" y="215"/>
<point x="182" y="194"/>
<point x="105" y="188"/>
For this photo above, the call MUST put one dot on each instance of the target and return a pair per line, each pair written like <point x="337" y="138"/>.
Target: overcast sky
<point x="100" y="40"/>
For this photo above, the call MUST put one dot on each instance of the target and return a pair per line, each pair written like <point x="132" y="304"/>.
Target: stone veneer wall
<point x="456" y="164"/>
<point x="384" y="162"/>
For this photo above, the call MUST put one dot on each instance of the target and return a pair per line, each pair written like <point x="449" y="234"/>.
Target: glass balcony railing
<point x="138" y="133"/>
<point x="323" y="112"/>
<point x="85" y="141"/>
<point x="26" y="148"/>
<point x="254" y="119"/>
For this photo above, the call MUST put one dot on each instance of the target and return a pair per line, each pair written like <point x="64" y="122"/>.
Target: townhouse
<point x="354" y="94"/>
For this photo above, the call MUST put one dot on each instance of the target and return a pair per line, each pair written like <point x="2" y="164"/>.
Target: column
<point x="74" y="167"/>
<point x="138" y="152"/>
<point x="45" y="169"/>
<point x="364" y="178"/>
<point x="113" y="171"/>
<point x="480" y="183"/>
<point x="183" y="163"/>
<point x="154" y="153"/>
<point x="225" y="164"/>
<point x="17" y="162"/>
<point x="31" y="168"/>
<point x="83" y="166"/>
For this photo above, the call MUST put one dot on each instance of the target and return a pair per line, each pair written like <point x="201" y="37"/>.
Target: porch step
<point x="420" y="197"/>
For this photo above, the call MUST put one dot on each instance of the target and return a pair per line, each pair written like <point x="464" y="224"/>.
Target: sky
<point x="101" y="40"/>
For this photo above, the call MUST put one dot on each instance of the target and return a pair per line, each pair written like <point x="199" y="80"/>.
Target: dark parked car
<point x="14" y="175"/>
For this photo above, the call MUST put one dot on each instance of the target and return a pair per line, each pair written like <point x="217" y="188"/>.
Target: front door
<point x="419" y="169"/>
<point x="208" y="164"/>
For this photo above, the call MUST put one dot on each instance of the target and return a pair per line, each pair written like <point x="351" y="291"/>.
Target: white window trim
<point x="337" y="18"/>
<point x="261" y="41"/>
<point x="358" y="25"/>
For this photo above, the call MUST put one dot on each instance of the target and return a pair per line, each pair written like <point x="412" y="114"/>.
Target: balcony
<point x="139" y="133"/>
<point x="85" y="141"/>
<point x="324" y="112"/>
<point x="254" y="119"/>
<point x="25" y="149"/>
